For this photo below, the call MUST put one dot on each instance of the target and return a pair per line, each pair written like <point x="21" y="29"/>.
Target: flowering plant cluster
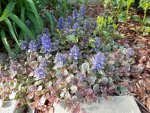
<point x="69" y="66"/>
<point x="54" y="68"/>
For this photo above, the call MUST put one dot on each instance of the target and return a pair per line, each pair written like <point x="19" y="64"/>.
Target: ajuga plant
<point x="61" y="68"/>
<point x="67" y="68"/>
<point x="19" y="20"/>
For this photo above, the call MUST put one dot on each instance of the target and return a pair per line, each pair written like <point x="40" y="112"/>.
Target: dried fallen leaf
<point x="147" y="84"/>
<point x="136" y="76"/>
<point x="51" y="110"/>
<point x="148" y="65"/>
<point x="148" y="103"/>
<point x="30" y="95"/>
<point x="142" y="59"/>
<point x="142" y="52"/>
<point x="140" y="90"/>
<point x="141" y="39"/>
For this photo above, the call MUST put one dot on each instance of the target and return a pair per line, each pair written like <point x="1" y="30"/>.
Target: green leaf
<point x="72" y="38"/>
<point x="15" y="29"/>
<point x="50" y="17"/>
<point x="122" y="17"/>
<point x="12" y="31"/>
<point x="92" y="42"/>
<point x="5" y="42"/>
<point x="147" y="20"/>
<point x="8" y="10"/>
<point x="0" y="9"/>
<point x="23" y="14"/>
<point x="85" y="67"/>
<point x="34" y="21"/>
<point x="21" y="25"/>
<point x="40" y="4"/>
<point x="121" y="90"/>
<point x="106" y="34"/>
<point x="129" y="2"/>
<point x="39" y="20"/>
<point x="22" y="34"/>
<point x="136" y="18"/>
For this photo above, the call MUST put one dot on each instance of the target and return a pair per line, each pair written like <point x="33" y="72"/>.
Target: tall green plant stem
<point x="145" y="12"/>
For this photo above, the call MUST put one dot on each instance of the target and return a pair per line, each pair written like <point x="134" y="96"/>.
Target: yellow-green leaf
<point x="7" y="11"/>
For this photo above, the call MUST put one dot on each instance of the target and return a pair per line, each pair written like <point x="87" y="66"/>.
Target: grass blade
<point x="0" y="9"/>
<point x="40" y="4"/>
<point x="12" y="31"/>
<point x="8" y="10"/>
<point x="34" y="21"/>
<point x="21" y="25"/>
<point x="23" y="14"/>
<point x="50" y="17"/>
<point x="39" y="20"/>
<point x="15" y="29"/>
<point x="5" y="42"/>
<point x="22" y="34"/>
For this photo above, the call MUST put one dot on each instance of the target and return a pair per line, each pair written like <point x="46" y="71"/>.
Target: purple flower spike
<point x="82" y="10"/>
<point x="39" y="73"/>
<point x="97" y="43"/>
<point x="75" y="52"/>
<point x="130" y="51"/>
<point x="55" y="45"/>
<point x="75" y="27"/>
<point x="43" y="63"/>
<point x="86" y="25"/>
<point x="46" y="42"/>
<point x="1" y="74"/>
<point x="69" y="20"/>
<point x="33" y="45"/>
<point x="61" y="23"/>
<point x="24" y="45"/>
<point x="98" y="61"/>
<point x="75" y="14"/>
<point x="59" y="60"/>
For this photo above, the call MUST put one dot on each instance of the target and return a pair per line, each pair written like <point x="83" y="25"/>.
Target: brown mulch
<point x="140" y="87"/>
<point x="95" y="10"/>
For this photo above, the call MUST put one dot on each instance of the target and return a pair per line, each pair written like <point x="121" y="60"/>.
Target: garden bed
<point x="134" y="38"/>
<point x="81" y="57"/>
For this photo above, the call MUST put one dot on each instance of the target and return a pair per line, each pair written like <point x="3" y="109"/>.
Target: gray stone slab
<point x="8" y="107"/>
<point x="116" y="104"/>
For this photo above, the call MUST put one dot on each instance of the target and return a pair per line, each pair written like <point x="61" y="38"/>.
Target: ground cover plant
<point x="79" y="59"/>
<point x="48" y="60"/>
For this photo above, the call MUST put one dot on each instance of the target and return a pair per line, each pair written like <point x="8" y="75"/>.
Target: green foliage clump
<point x="145" y="4"/>
<point x="13" y="22"/>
